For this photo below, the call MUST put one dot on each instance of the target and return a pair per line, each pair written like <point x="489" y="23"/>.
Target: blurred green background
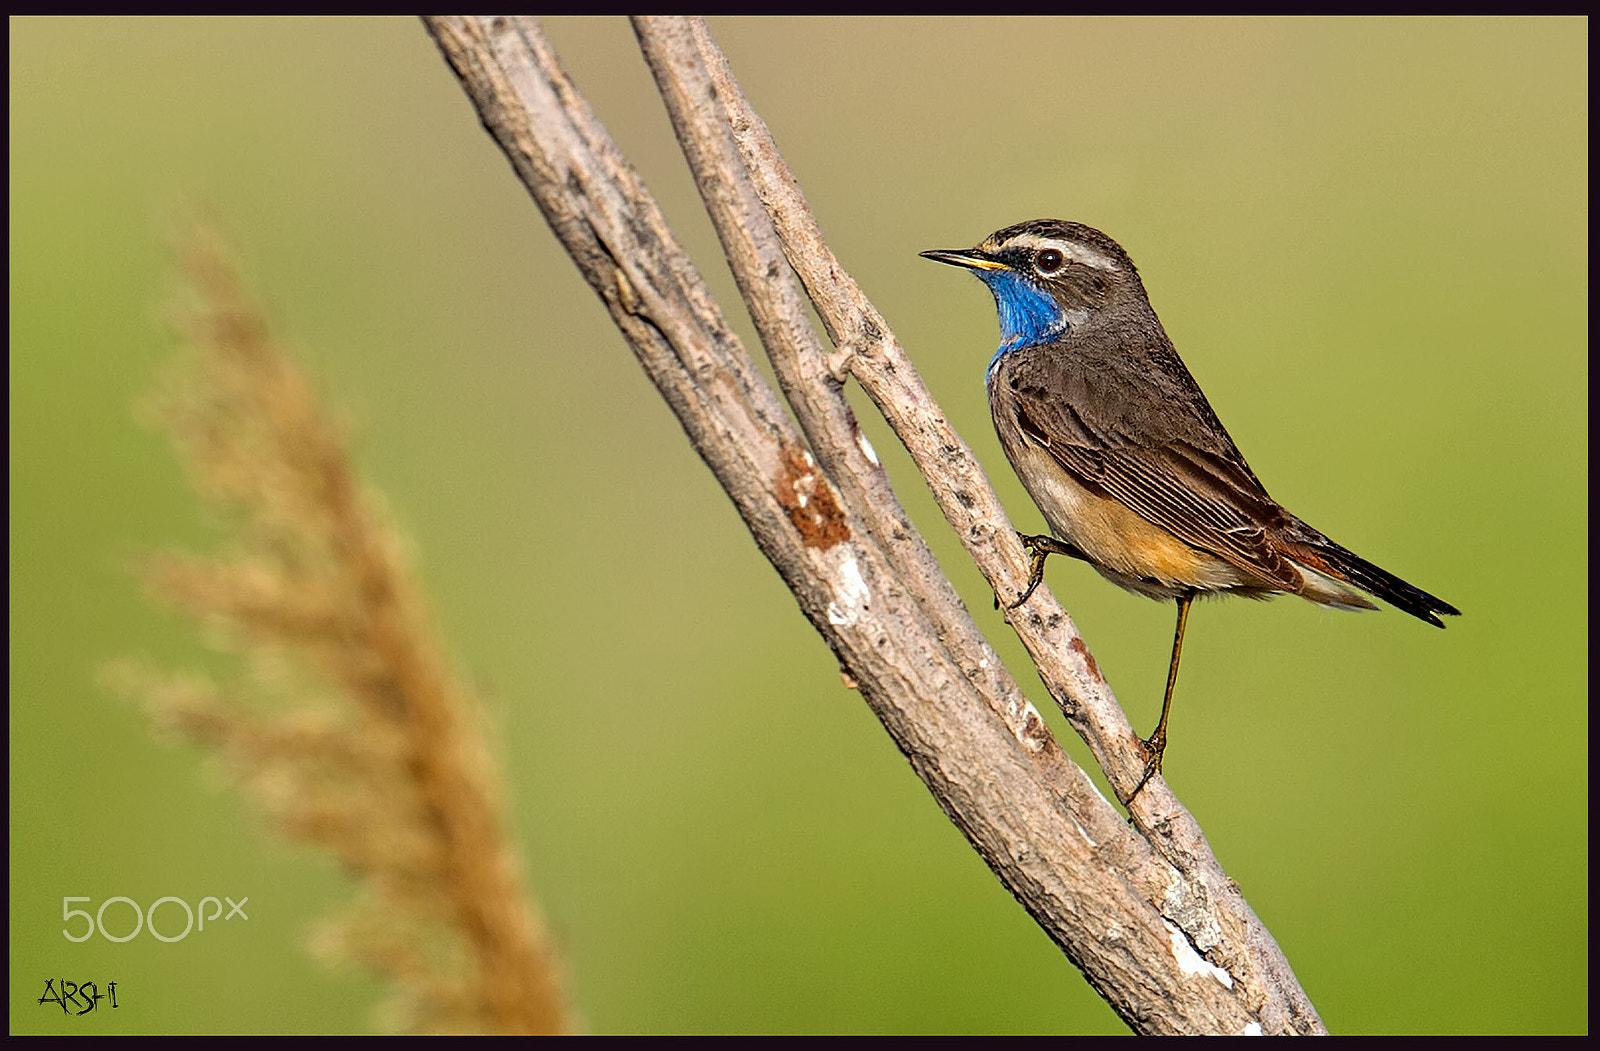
<point x="1367" y="238"/>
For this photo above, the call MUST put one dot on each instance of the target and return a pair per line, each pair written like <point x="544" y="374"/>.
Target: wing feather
<point x="1176" y="468"/>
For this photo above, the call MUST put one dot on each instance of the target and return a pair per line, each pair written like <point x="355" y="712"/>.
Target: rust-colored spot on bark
<point x="809" y="499"/>
<point x="1081" y="650"/>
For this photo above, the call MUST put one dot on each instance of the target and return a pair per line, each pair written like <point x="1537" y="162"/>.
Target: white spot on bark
<point x="1191" y="962"/>
<point x="1253" y="1029"/>
<point x="853" y="594"/>
<point x="1084" y="833"/>
<point x="866" y="448"/>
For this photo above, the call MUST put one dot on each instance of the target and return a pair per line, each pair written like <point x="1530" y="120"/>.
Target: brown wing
<point x="1156" y="447"/>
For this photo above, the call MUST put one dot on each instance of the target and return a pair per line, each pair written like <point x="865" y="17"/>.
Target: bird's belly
<point x="1124" y="547"/>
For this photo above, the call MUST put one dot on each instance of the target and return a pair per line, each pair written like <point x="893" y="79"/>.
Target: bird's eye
<point x="1049" y="261"/>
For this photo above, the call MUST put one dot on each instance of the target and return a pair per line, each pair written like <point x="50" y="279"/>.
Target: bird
<point x="1115" y="442"/>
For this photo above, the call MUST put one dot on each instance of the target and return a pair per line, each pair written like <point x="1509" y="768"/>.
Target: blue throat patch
<point x="1028" y="314"/>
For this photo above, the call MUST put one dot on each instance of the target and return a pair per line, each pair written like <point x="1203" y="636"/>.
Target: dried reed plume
<point x="369" y="748"/>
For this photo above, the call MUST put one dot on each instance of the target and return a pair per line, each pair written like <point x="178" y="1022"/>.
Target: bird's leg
<point x="1041" y="547"/>
<point x="1157" y="744"/>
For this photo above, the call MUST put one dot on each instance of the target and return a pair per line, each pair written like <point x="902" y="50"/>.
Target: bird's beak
<point x="970" y="258"/>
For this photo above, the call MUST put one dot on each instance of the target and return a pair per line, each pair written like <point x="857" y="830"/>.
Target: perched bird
<point x="1117" y="445"/>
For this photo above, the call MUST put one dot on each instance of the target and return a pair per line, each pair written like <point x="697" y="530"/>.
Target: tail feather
<point x="1323" y="555"/>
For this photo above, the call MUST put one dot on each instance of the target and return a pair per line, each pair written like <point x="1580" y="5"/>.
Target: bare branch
<point x="1128" y="917"/>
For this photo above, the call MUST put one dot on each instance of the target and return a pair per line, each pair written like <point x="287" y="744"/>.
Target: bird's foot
<point x="1041" y="548"/>
<point x="1153" y="749"/>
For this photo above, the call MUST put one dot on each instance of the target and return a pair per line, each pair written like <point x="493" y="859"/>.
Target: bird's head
<point x="1049" y="276"/>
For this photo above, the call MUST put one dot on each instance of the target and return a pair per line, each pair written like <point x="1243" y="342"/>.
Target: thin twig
<point x="1205" y="903"/>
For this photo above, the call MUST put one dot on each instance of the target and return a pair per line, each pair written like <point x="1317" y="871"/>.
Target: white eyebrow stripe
<point x="1073" y="250"/>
